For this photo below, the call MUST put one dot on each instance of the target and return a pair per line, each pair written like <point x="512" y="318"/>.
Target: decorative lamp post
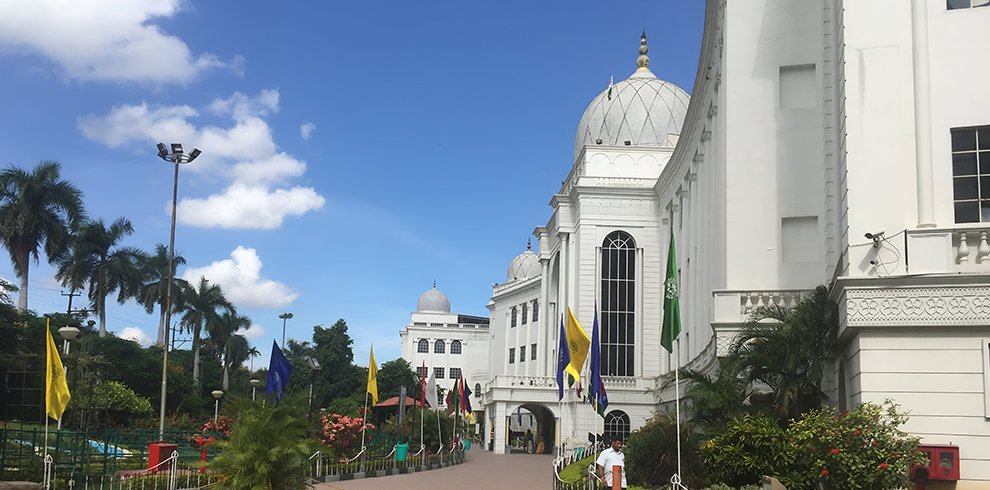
<point x="176" y="157"/>
<point x="285" y="317"/>
<point x="255" y="383"/>
<point x="314" y="367"/>
<point x="216" y="407"/>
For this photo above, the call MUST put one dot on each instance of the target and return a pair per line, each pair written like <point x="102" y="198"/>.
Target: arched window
<point x="616" y="423"/>
<point x="515" y="314"/>
<point x="423" y="346"/>
<point x="439" y="347"/>
<point x="455" y="347"/>
<point x="618" y="304"/>
<point x="525" y="313"/>
<point x="477" y="390"/>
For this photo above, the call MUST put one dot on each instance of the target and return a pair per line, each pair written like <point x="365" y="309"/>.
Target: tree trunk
<point x="196" y="329"/>
<point x="22" y="294"/>
<point x="161" y="325"/>
<point x="102" y="305"/>
<point x="226" y="362"/>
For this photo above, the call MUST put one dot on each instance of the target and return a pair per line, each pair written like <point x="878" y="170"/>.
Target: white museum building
<point x="809" y="126"/>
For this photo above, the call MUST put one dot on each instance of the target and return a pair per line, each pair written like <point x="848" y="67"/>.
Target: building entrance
<point x="531" y="429"/>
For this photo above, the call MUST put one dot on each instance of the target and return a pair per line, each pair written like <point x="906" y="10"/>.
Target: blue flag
<point x="279" y="371"/>
<point x="467" y="395"/>
<point x="599" y="400"/>
<point x="563" y="359"/>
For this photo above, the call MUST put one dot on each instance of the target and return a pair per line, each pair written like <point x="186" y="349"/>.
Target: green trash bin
<point x="401" y="451"/>
<point x="467" y="444"/>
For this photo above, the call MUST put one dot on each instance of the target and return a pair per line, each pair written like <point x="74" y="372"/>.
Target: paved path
<point x="482" y="471"/>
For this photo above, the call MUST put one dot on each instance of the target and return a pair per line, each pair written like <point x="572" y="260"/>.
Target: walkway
<point x="482" y="471"/>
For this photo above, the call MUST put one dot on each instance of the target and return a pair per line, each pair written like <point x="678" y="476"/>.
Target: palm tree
<point x="787" y="350"/>
<point x="252" y="353"/>
<point x="200" y="307"/>
<point x="222" y="330"/>
<point x="155" y="269"/>
<point x="97" y="256"/>
<point x="36" y="208"/>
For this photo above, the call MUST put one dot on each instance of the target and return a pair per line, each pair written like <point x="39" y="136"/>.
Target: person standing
<point x="613" y="456"/>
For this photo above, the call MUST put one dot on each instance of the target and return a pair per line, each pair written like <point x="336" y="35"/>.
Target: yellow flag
<point x="56" y="389"/>
<point x="577" y="343"/>
<point x="373" y="378"/>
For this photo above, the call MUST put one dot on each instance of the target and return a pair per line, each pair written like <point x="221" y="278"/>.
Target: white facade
<point x="810" y="124"/>
<point x="452" y="343"/>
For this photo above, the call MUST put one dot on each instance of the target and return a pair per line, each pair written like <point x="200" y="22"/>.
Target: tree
<point x="221" y="330"/>
<point x="37" y="209"/>
<point x="154" y="290"/>
<point x="201" y="306"/>
<point x="392" y="375"/>
<point x="339" y="377"/>
<point x="787" y="350"/>
<point x="715" y="398"/>
<point x="253" y="352"/>
<point x="108" y="267"/>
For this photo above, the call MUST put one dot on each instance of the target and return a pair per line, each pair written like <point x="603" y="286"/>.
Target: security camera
<point x="874" y="236"/>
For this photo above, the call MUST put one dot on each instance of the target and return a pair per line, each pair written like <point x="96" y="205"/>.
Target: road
<point x="482" y="471"/>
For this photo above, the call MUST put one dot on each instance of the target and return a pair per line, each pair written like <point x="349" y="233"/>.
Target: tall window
<point x="971" y="174"/>
<point x="423" y="347"/>
<point x="532" y="352"/>
<point x="439" y="347"/>
<point x="455" y="373"/>
<point x="438" y="372"/>
<point x="525" y="313"/>
<point x="512" y="355"/>
<point x="536" y="310"/>
<point x="455" y="347"/>
<point x="422" y="371"/>
<point x="477" y="389"/>
<point x="618" y="304"/>
<point x="522" y="354"/>
<point x="514" y="314"/>
<point x="616" y="423"/>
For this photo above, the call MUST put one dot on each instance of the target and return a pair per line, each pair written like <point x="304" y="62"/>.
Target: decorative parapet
<point x="920" y="306"/>
<point x="934" y="250"/>
<point x="736" y="306"/>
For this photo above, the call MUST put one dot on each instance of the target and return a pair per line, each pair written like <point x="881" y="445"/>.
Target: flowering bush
<point x="342" y="432"/>
<point x="220" y="428"/>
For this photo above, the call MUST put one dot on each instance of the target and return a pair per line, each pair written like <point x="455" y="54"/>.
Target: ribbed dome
<point x="524" y="266"/>
<point x="642" y="110"/>
<point x="433" y="301"/>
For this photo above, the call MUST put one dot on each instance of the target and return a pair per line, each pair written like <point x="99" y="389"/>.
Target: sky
<point x="353" y="152"/>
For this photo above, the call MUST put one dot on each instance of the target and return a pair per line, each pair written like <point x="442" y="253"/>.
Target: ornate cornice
<point x="930" y="306"/>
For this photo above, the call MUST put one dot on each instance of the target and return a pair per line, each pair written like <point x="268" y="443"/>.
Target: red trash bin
<point x="159" y="452"/>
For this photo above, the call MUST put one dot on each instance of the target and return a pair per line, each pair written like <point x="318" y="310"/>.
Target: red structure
<point x="202" y="442"/>
<point x="159" y="452"/>
<point x="943" y="465"/>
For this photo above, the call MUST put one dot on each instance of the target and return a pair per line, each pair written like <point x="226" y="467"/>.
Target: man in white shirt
<point x="610" y="457"/>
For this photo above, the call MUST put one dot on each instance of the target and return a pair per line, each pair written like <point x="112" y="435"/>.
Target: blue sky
<point x="353" y="152"/>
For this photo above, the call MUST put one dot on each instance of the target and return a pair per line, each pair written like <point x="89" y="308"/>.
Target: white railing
<point x="736" y="306"/>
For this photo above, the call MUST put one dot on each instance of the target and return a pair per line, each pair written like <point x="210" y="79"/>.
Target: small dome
<point x="642" y="110"/>
<point x="433" y="301"/>
<point x="525" y="265"/>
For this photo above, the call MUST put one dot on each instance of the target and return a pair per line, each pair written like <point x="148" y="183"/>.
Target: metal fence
<point x="584" y="482"/>
<point x="321" y="466"/>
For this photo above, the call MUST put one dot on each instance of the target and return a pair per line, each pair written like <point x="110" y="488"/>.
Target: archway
<point x="528" y="426"/>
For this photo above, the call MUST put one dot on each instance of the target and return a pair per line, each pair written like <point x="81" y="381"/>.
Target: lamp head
<point x="193" y="154"/>
<point x="255" y="382"/>
<point x="162" y="150"/>
<point x="176" y="148"/>
<point x="68" y="333"/>
<point x="217" y="394"/>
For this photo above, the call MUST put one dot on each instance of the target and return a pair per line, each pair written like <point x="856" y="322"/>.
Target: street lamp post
<point x="176" y="157"/>
<point x="216" y="407"/>
<point x="314" y="367"/>
<point x="285" y="317"/>
<point x="255" y="383"/>
<point x="68" y="333"/>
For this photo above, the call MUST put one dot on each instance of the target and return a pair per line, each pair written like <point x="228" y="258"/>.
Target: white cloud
<point x="135" y="334"/>
<point x="240" y="278"/>
<point x="256" y="195"/>
<point x="104" y="39"/>
<point x="252" y="332"/>
<point x="306" y="130"/>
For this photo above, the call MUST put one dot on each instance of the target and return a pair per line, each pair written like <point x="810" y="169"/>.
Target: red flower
<point x="835" y="451"/>
<point x="883" y="466"/>
<point x="824" y="472"/>
<point x="874" y="443"/>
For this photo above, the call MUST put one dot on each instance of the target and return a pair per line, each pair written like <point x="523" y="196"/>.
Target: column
<point x="922" y="113"/>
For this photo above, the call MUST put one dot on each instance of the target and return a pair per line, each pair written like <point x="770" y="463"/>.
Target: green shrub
<point x="750" y="447"/>
<point x="268" y="447"/>
<point x="651" y="453"/>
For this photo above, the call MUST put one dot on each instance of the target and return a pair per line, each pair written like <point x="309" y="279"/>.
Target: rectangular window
<point x="966" y="4"/>
<point x="536" y="310"/>
<point x="512" y="355"/>
<point x="525" y="313"/>
<point x="532" y="352"/>
<point x="455" y="373"/>
<point x="522" y="354"/>
<point x="971" y="174"/>
<point x="798" y="87"/>
<point x="438" y="372"/>
<point x="513" y="321"/>
<point x="422" y="370"/>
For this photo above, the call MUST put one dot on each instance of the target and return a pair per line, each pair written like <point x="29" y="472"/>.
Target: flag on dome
<point x="671" y="307"/>
<point x="610" y="86"/>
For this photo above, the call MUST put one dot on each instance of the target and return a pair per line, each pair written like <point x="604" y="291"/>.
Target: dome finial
<point x="434" y="284"/>
<point x="643" y="61"/>
<point x="529" y="244"/>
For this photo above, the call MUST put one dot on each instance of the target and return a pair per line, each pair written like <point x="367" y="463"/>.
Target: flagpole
<point x="677" y="406"/>
<point x="439" y="437"/>
<point x="364" y="425"/>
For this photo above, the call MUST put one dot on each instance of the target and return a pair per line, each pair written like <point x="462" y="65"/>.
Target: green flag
<point x="671" y="309"/>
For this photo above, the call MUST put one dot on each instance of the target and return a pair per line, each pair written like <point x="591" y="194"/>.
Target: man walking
<point x="610" y="458"/>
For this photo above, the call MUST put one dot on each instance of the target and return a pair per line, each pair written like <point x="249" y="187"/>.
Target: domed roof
<point x="434" y="301"/>
<point x="642" y="110"/>
<point x="525" y="265"/>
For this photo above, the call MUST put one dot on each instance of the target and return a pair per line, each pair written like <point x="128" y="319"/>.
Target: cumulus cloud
<point x="240" y="278"/>
<point x="114" y="40"/>
<point x="252" y="332"/>
<point x="135" y="334"/>
<point x="258" y="193"/>
<point x="306" y="130"/>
